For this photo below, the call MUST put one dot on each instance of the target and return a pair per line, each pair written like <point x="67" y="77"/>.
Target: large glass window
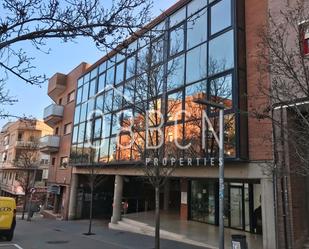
<point x="108" y="101"/>
<point x="175" y="74"/>
<point x="221" y="90"/>
<point x="101" y="83"/>
<point x="110" y="76"/>
<point x="221" y="53"/>
<point x="75" y="134"/>
<point x="85" y="92"/>
<point x="120" y="73"/>
<point x="177" y="40"/>
<point x="83" y="112"/>
<point x="178" y="17"/>
<point x="106" y="125"/>
<point x="195" y="6"/>
<point x="97" y="128"/>
<point x="77" y="114"/>
<point x="79" y="95"/>
<point x="218" y="11"/>
<point x="197" y="29"/>
<point x="99" y="104"/>
<point x="104" y="150"/>
<point x="196" y="64"/>
<point x="130" y="71"/>
<point x="81" y="132"/>
<point x="174" y="106"/>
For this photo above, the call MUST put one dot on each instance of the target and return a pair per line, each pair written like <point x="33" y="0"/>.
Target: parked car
<point x="7" y="217"/>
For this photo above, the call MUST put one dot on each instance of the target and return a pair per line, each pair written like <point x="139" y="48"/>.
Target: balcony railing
<point x="49" y="144"/>
<point x="53" y="114"/>
<point x="25" y="144"/>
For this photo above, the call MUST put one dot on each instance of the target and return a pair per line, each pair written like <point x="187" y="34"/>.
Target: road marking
<point x="17" y="246"/>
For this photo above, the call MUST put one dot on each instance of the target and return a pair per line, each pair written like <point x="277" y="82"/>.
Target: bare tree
<point x="27" y="163"/>
<point x="284" y="88"/>
<point x="142" y="119"/>
<point x="38" y="21"/>
<point x="94" y="180"/>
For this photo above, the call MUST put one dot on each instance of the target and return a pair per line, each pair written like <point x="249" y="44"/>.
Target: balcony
<point x="25" y="145"/>
<point x="53" y="114"/>
<point x="49" y="144"/>
<point x="56" y="85"/>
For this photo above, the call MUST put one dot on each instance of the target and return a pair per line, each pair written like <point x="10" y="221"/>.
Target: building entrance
<point x="242" y="207"/>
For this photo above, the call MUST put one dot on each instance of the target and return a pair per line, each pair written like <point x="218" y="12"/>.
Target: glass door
<point x="236" y="207"/>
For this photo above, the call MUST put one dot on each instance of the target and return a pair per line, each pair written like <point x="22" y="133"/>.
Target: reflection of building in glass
<point x="189" y="52"/>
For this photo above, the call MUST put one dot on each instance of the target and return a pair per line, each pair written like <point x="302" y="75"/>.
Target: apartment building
<point x="59" y="116"/>
<point x="19" y="153"/>
<point x="195" y="50"/>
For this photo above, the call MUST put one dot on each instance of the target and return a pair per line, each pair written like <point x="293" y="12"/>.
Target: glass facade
<point x="190" y="55"/>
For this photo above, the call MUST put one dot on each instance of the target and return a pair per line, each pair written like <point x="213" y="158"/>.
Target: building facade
<point x="59" y="116"/>
<point x="19" y="151"/>
<point x="189" y="52"/>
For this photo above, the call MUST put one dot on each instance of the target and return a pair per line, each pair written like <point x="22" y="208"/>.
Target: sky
<point x="63" y="57"/>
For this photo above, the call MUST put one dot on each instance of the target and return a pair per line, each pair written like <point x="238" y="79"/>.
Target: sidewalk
<point x="191" y="232"/>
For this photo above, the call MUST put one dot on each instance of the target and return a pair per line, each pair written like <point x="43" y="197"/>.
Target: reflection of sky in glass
<point x="221" y="16"/>
<point x="197" y="64"/>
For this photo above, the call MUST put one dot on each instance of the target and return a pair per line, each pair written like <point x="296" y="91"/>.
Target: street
<point x="53" y="234"/>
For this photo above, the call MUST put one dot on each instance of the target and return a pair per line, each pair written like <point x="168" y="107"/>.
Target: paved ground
<point x="51" y="234"/>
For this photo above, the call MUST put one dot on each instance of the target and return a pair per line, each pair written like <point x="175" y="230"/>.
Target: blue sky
<point x="63" y="57"/>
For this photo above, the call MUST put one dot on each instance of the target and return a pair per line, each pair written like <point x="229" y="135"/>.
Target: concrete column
<point x="117" y="199"/>
<point x="268" y="214"/>
<point x="73" y="195"/>
<point x="166" y="195"/>
<point x="184" y="199"/>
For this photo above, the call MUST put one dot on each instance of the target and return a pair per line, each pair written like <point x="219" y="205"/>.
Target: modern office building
<point x="19" y="151"/>
<point x="59" y="117"/>
<point x="195" y="50"/>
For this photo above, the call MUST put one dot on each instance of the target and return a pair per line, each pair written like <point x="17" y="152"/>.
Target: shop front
<point x="242" y="204"/>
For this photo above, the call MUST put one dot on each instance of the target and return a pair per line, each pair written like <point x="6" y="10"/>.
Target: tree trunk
<point x="157" y="218"/>
<point x="26" y="195"/>
<point x="91" y="208"/>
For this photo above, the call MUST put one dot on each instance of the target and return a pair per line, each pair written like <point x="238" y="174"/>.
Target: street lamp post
<point x="221" y="166"/>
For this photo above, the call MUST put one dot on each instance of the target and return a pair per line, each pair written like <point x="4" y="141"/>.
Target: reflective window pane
<point x="197" y="29"/>
<point x="229" y="136"/>
<point x="83" y="112"/>
<point x="101" y="83"/>
<point x="92" y="89"/>
<point x="106" y="125"/>
<point x="193" y="92"/>
<point x="81" y="132"/>
<point x="102" y="67"/>
<point x="104" y="150"/>
<point x="177" y="40"/>
<point x="195" y="6"/>
<point x="175" y="74"/>
<point x="128" y="94"/>
<point x="158" y="30"/>
<point x="174" y="106"/>
<point x="113" y="149"/>
<point x="79" y="95"/>
<point x="221" y="90"/>
<point x="108" y="101"/>
<point x="80" y="82"/>
<point x="97" y="128"/>
<point x="119" y="73"/>
<point x="173" y="138"/>
<point x="157" y="49"/>
<point x="90" y="108"/>
<point x="75" y="134"/>
<point x="77" y="114"/>
<point x="116" y="123"/>
<point x="178" y="17"/>
<point x="85" y="92"/>
<point x="130" y="71"/>
<point x="110" y="76"/>
<point x="221" y="9"/>
<point x="221" y="53"/>
<point x="196" y="64"/>
<point x="99" y="104"/>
